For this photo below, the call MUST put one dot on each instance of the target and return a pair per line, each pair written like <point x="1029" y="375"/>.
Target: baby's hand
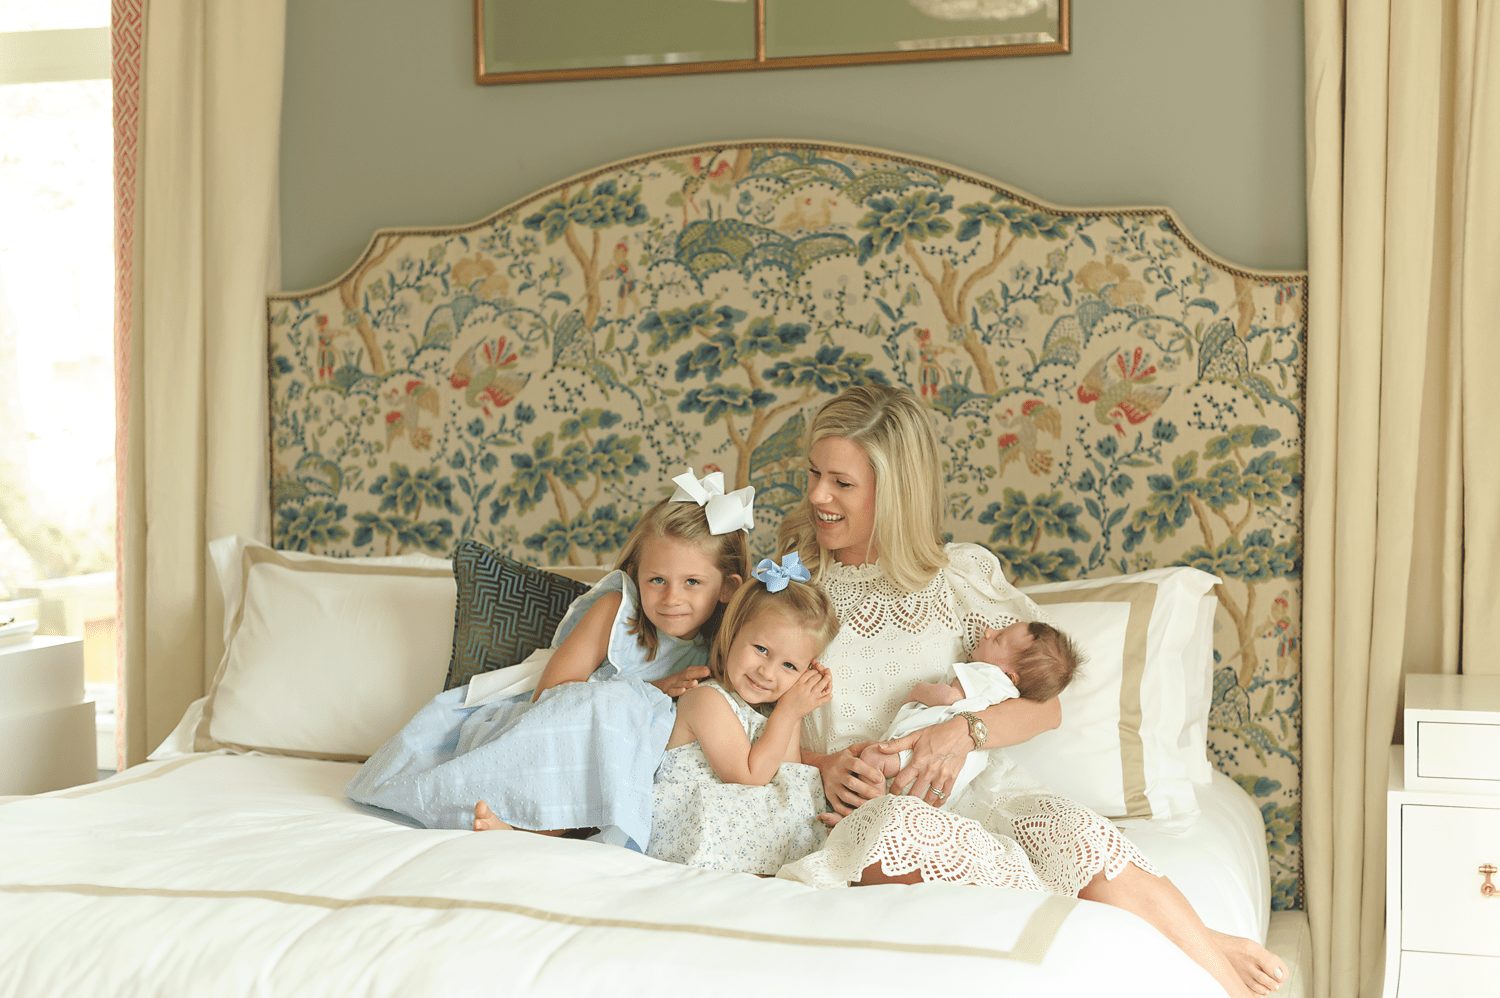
<point x="935" y="694"/>
<point x="812" y="690"/>
<point x="679" y="683"/>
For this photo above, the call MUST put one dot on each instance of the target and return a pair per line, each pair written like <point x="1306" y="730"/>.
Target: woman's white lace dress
<point x="1003" y="831"/>
<point x="702" y="821"/>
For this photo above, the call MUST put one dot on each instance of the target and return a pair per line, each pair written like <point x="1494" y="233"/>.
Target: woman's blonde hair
<point x="684" y="521"/>
<point x="893" y="430"/>
<point x="804" y="604"/>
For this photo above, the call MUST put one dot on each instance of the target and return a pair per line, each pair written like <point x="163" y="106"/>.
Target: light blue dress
<point x="581" y="756"/>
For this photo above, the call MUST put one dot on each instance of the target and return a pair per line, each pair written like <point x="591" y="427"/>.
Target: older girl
<point x="910" y="605"/>
<point x="602" y="710"/>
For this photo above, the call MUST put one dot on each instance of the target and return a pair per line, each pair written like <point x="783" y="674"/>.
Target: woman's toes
<point x="1272" y="970"/>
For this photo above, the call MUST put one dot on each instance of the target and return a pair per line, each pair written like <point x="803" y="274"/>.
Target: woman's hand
<point x="848" y="781"/>
<point x="679" y="683"/>
<point x="937" y="754"/>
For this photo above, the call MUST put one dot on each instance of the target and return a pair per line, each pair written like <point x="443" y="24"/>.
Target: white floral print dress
<point x="702" y="821"/>
<point x="1001" y="831"/>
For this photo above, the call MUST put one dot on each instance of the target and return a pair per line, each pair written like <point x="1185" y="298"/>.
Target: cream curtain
<point x="1403" y="468"/>
<point x="203" y="254"/>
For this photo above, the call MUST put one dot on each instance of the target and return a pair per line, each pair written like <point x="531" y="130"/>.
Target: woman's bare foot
<point x="486" y="820"/>
<point x="1260" y="969"/>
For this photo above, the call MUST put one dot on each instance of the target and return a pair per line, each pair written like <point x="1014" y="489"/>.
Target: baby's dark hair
<point x="1046" y="668"/>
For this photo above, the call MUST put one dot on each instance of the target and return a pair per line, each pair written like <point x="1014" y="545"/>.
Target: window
<point x="57" y="475"/>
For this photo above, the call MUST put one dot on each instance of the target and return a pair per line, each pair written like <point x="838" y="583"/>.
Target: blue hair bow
<point x="777" y="576"/>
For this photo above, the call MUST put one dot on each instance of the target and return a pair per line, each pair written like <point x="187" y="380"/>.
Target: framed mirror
<point x="523" y="41"/>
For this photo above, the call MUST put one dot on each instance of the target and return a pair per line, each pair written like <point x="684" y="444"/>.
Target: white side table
<point x="47" y="734"/>
<point x="1442" y="923"/>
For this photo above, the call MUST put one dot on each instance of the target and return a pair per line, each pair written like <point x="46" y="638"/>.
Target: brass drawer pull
<point x="1488" y="888"/>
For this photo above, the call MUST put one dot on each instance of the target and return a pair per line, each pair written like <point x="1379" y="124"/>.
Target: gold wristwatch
<point x="978" y="730"/>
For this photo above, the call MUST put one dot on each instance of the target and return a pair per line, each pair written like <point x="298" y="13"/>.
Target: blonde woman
<point x="870" y="528"/>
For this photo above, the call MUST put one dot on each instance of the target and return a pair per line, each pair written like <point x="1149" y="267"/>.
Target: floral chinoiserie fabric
<point x="505" y="611"/>
<point x="1112" y="397"/>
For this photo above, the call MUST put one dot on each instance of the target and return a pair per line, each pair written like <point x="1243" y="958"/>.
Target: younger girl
<point x="731" y="793"/>
<point x="581" y="751"/>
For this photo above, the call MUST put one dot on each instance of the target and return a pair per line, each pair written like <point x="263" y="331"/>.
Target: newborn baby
<point x="1027" y="659"/>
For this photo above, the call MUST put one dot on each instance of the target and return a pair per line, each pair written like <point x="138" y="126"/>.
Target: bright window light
<point x="57" y="475"/>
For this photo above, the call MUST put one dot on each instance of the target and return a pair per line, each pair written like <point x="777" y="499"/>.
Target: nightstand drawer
<point x="1458" y="751"/>
<point x="1426" y="974"/>
<point x="1442" y="910"/>
<point x="1453" y="733"/>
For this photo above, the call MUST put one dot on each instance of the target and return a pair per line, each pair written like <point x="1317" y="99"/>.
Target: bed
<point x="1122" y="416"/>
<point x="251" y="874"/>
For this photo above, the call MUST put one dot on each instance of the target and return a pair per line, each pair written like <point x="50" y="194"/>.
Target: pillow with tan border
<point x="324" y="657"/>
<point x="1133" y="739"/>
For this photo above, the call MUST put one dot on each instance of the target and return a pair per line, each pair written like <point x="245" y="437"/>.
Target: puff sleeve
<point x="982" y="596"/>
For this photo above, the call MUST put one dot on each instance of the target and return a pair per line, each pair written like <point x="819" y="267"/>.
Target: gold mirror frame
<point x="483" y="75"/>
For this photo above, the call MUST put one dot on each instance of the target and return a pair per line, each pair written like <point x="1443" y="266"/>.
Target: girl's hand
<point x="812" y="690"/>
<point x="937" y="754"/>
<point x="848" y="781"/>
<point x="679" y="683"/>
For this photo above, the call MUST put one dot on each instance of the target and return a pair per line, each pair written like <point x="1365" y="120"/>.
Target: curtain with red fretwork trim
<point x="127" y="23"/>
<point x="197" y="117"/>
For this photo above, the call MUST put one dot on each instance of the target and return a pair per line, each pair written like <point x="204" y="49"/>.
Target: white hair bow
<point x="735" y="511"/>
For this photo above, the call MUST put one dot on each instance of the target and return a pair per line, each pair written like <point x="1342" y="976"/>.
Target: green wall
<point x="1195" y="104"/>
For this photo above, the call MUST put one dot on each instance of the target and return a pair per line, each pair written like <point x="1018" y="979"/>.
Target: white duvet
<point x="237" y="875"/>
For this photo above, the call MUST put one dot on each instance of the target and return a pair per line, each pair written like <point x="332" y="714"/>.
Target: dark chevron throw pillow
<point x="506" y="610"/>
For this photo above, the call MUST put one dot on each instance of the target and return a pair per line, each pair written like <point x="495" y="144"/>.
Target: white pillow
<point x="324" y="657"/>
<point x="1133" y="739"/>
<point x="1198" y="690"/>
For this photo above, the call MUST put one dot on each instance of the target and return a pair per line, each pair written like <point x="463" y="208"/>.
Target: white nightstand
<point x="1442" y="925"/>
<point x="46" y="729"/>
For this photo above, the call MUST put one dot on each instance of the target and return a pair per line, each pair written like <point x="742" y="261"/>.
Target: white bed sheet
<point x="1219" y="861"/>
<point x="246" y="874"/>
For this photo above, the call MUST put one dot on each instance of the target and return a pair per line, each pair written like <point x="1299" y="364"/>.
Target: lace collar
<point x="854" y="573"/>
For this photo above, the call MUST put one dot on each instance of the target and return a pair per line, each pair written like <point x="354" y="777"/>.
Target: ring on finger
<point x="937" y="793"/>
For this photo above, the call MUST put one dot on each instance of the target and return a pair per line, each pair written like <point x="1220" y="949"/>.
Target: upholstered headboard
<point x="1112" y="396"/>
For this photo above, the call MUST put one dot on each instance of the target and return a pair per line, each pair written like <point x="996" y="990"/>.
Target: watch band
<point x="978" y="730"/>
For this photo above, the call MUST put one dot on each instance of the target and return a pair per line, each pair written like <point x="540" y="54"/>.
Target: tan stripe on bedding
<point x="125" y="779"/>
<point x="1031" y="945"/>
<point x="1141" y="596"/>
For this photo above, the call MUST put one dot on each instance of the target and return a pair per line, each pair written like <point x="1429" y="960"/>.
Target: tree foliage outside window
<point x="57" y="502"/>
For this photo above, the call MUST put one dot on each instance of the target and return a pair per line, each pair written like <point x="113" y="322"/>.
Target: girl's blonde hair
<point x="683" y="521"/>
<point x="897" y="438"/>
<point x="803" y="603"/>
